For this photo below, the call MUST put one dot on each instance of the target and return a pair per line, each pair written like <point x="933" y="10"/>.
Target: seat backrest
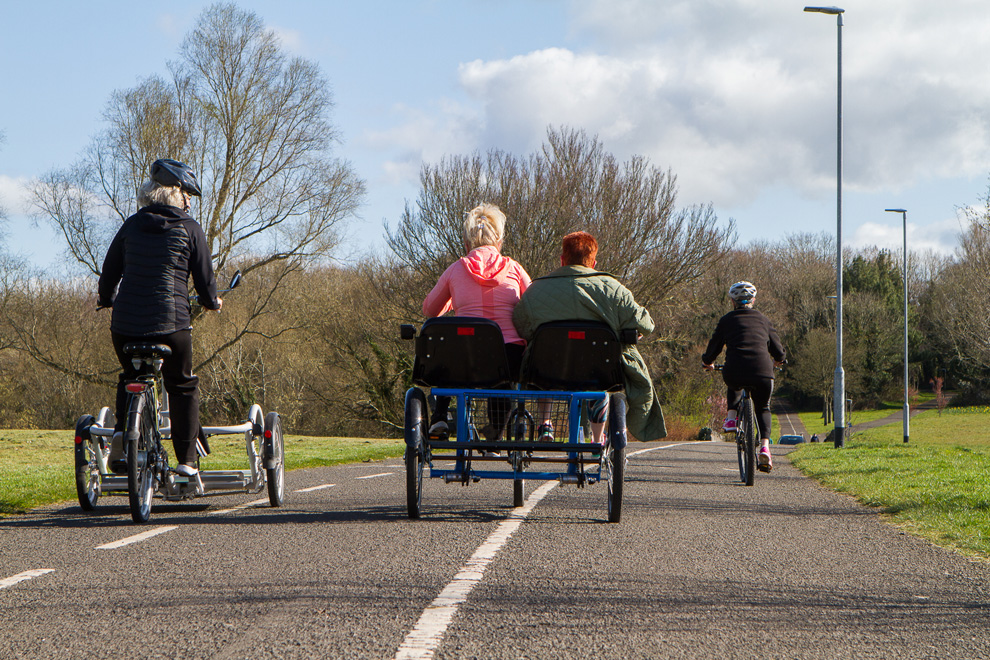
<point x="461" y="351"/>
<point x="574" y="356"/>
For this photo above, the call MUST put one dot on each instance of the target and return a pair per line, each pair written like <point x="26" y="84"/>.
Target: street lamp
<point x="907" y="425"/>
<point x="839" y="392"/>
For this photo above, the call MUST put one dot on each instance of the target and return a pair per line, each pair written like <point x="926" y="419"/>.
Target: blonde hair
<point x="154" y="193"/>
<point x="484" y="225"/>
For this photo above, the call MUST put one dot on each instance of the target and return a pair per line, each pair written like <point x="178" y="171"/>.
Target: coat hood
<point x="486" y="265"/>
<point x="158" y="218"/>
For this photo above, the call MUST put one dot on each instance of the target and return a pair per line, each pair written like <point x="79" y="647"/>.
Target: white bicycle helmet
<point x="742" y="292"/>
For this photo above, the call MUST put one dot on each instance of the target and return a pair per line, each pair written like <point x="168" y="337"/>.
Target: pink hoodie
<point x="484" y="284"/>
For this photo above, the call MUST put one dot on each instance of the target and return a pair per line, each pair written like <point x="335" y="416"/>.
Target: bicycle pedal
<point x="764" y="468"/>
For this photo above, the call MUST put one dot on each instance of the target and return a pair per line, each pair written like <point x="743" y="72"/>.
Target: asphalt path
<point x="700" y="567"/>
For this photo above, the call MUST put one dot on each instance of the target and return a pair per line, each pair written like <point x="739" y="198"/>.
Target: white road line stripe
<point x="678" y="444"/>
<point x="137" y="538"/>
<point x="26" y="575"/>
<point x="372" y="476"/>
<point x="246" y="505"/>
<point x="312" y="488"/>
<point x="423" y="640"/>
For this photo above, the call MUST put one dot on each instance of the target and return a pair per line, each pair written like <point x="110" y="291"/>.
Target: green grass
<point x="937" y="486"/>
<point x="37" y="467"/>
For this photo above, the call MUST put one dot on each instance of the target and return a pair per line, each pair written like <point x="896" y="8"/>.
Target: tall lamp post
<point x="907" y="410"/>
<point x="839" y="391"/>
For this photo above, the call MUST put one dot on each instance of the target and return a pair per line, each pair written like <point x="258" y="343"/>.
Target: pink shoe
<point x="729" y="426"/>
<point x="764" y="460"/>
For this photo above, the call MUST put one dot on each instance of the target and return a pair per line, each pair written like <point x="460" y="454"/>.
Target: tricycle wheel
<point x="415" y="424"/>
<point x="614" y="456"/>
<point x="518" y="492"/>
<point x="275" y="459"/>
<point x="87" y="467"/>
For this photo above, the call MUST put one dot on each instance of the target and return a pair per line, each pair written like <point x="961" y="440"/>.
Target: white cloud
<point x="169" y="24"/>
<point x="292" y="40"/>
<point x="940" y="237"/>
<point x="739" y="96"/>
<point x="447" y="128"/>
<point x="14" y="195"/>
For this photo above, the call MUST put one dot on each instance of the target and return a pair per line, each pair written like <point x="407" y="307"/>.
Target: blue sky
<point x="737" y="97"/>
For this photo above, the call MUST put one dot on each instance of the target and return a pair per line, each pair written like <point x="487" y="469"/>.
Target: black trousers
<point x="759" y="390"/>
<point x="180" y="383"/>
<point x="498" y="408"/>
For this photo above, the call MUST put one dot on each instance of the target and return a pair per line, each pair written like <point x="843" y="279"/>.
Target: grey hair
<point x="154" y="193"/>
<point x="484" y="225"/>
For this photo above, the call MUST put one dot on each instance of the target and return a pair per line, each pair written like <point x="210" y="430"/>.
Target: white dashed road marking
<point x="372" y="476"/>
<point x="137" y="538"/>
<point x="312" y="488"/>
<point x="425" y="637"/>
<point x="26" y="575"/>
<point x="679" y="444"/>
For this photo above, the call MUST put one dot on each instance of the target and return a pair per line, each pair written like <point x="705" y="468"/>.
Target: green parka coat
<point x="584" y="294"/>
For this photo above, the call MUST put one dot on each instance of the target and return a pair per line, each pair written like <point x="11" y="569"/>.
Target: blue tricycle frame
<point x="471" y="453"/>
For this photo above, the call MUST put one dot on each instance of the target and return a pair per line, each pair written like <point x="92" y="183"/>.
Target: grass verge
<point x="36" y="467"/>
<point x="937" y="486"/>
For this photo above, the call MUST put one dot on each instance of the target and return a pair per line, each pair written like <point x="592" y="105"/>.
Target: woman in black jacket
<point x="151" y="258"/>
<point x="752" y="348"/>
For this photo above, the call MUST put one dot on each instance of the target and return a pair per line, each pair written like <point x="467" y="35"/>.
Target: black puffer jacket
<point x="750" y="342"/>
<point x="152" y="257"/>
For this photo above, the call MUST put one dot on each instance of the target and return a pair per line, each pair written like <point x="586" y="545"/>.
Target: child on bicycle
<point x="752" y="349"/>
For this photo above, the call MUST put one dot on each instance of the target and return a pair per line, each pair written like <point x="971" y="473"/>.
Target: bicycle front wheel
<point x="746" y="441"/>
<point x="139" y="441"/>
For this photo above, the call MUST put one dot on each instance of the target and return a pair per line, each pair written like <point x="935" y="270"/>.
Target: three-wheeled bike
<point x="518" y="427"/>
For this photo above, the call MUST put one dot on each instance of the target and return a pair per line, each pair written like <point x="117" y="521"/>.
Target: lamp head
<point x="825" y="10"/>
<point x="896" y="210"/>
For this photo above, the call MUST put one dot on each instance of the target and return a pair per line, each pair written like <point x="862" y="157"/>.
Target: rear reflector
<point x="465" y="331"/>
<point x="135" y="388"/>
<point x="78" y="439"/>
<point x="575" y="334"/>
<point x="268" y="435"/>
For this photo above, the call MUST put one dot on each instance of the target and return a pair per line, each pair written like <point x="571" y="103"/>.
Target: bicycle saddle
<point x="147" y="350"/>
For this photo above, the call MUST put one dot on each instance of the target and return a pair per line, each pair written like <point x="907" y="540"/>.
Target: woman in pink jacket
<point x="484" y="284"/>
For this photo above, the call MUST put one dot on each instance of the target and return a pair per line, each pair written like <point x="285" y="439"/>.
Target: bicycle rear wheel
<point x="139" y="442"/>
<point x="746" y="441"/>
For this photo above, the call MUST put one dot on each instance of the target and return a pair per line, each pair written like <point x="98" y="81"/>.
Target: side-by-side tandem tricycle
<point x="499" y="431"/>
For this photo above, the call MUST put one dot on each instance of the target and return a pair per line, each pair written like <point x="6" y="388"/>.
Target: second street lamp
<point x="839" y="393"/>
<point x="907" y="410"/>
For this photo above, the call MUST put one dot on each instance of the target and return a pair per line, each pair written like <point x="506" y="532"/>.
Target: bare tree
<point x="571" y="184"/>
<point x="958" y="304"/>
<point x="253" y="122"/>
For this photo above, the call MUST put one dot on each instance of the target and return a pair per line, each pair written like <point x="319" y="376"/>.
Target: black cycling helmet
<point x="168" y="172"/>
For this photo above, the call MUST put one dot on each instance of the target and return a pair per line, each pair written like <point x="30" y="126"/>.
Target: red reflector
<point x="465" y="331"/>
<point x="135" y="388"/>
<point x="268" y="435"/>
<point x="575" y="334"/>
<point x="78" y="439"/>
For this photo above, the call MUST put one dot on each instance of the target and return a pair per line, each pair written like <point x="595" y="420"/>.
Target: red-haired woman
<point x="576" y="291"/>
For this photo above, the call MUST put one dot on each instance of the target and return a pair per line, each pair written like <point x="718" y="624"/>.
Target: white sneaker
<point x="186" y="470"/>
<point x="439" y="429"/>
